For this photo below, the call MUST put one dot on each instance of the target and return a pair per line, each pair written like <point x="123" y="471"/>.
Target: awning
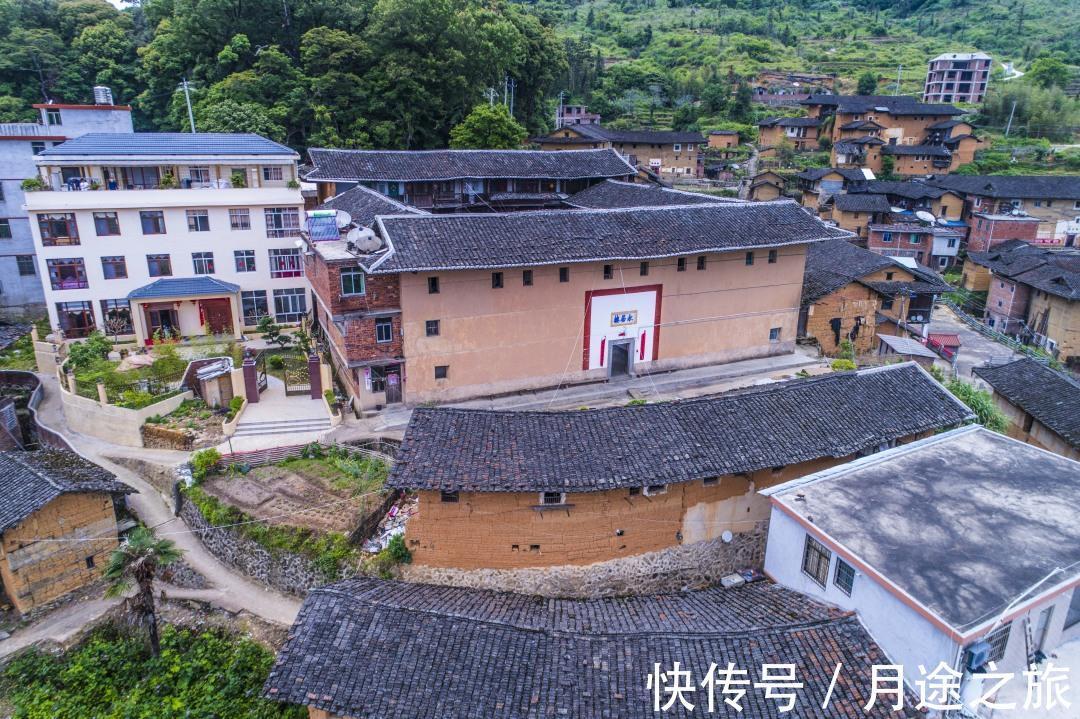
<point x="183" y="287"/>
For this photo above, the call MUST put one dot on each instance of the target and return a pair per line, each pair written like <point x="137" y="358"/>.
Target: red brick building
<point x="989" y="230"/>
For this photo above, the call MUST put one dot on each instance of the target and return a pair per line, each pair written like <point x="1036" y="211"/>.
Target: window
<point x="609" y="272"/>
<point x="114" y="268"/>
<point x="245" y="260"/>
<point x="701" y="262"/>
<point x="5" y="229"/>
<point x="433" y="285"/>
<point x="527" y="278"/>
<point x="106" y="224"/>
<point x="774" y="334"/>
<point x="116" y="314"/>
<point x="496" y="280"/>
<point x="203" y="262"/>
<point x="677" y="147"/>
<point x="37" y="147"/>
<point x="815" y="561"/>
<point x="431" y="328"/>
<point x="552" y="498"/>
<point x="952" y="242"/>
<point x="253" y="305"/>
<point x="564" y="274"/>
<point x="272" y="174"/>
<point x="239" y="219"/>
<point x="290" y="305"/>
<point x="749" y="258"/>
<point x="634" y="491"/>
<point x="153" y="222"/>
<point x="282" y="221"/>
<point x="159" y="265"/>
<point x="198" y="221"/>
<point x="384" y="330"/>
<point x="888" y="275"/>
<point x="710" y="481"/>
<point x="58" y="228"/>
<point x="68" y="273"/>
<point x="442" y="371"/>
<point x="450" y="497"/>
<point x="772" y="257"/>
<point x="26" y="264"/>
<point x="286" y="263"/>
<point x="844" y="576"/>
<point x="352" y="281"/>
<point x="76" y="318"/>
<point x="644" y="271"/>
<point x="53" y="117"/>
<point x="654" y="489"/>
<point x="680" y="265"/>
<point x="914" y="239"/>
<point x="199" y="174"/>
<point x="998" y="640"/>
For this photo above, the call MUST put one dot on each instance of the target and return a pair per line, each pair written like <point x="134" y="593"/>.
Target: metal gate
<point x="260" y="371"/>
<point x="297" y="379"/>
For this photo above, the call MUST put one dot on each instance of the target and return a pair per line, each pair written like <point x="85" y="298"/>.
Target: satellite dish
<point x="364" y="238"/>
<point x="942" y="221"/>
<point x="343" y="219"/>
<point x="727" y="536"/>
<point x="925" y="216"/>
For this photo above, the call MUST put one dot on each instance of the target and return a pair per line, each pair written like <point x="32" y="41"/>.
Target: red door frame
<point x="659" y="289"/>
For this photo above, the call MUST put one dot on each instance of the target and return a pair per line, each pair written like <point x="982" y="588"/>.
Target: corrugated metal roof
<point x="183" y="287"/>
<point x="167" y="143"/>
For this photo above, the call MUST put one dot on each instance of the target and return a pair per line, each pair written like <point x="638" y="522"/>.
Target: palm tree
<point x="135" y="563"/>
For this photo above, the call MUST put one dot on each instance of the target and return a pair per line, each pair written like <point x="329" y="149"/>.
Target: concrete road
<point x="975" y="350"/>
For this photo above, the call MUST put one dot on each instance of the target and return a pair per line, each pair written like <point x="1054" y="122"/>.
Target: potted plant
<point x="33" y="184"/>
<point x="293" y="185"/>
<point x="238" y="179"/>
<point x="168" y="182"/>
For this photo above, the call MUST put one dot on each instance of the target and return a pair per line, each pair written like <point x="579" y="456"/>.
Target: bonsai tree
<point x="135" y="564"/>
<point x="271" y="332"/>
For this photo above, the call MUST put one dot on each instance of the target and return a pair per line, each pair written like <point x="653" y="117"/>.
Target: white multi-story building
<point x="957" y="77"/>
<point x="168" y="234"/>
<point x="20" y="286"/>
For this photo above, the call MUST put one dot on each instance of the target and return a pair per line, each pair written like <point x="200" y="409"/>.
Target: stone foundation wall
<point x="164" y="438"/>
<point x="676" y="569"/>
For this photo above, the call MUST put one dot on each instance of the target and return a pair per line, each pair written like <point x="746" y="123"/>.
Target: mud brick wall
<point x="155" y="437"/>
<point x="35" y="572"/>
<point x="848" y="303"/>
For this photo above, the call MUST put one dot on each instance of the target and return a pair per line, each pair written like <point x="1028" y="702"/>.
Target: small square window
<point x="446" y="496"/>
<point x="816" y="558"/>
<point x="198" y="221"/>
<point x="431" y="328"/>
<point x="644" y="271"/>
<point x="433" y="285"/>
<point x="239" y="219"/>
<point x="441" y="371"/>
<point x="772" y="257"/>
<point x="245" y="260"/>
<point x="701" y="262"/>
<point x="680" y="264"/>
<point x="526" y="278"/>
<point x="654" y="489"/>
<point x="384" y="330"/>
<point x="774" y="334"/>
<point x="496" y="280"/>
<point x="888" y="275"/>
<point x="90" y="562"/>
<point x="634" y="491"/>
<point x="564" y="274"/>
<point x="552" y="498"/>
<point x="749" y="258"/>
<point x="844" y="576"/>
<point x="711" y="481"/>
<point x="609" y="272"/>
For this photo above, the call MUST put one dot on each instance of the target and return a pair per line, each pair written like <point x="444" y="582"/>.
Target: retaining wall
<point x="118" y="425"/>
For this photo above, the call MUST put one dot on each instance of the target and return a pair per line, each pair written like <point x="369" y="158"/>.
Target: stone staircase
<point x="283" y="426"/>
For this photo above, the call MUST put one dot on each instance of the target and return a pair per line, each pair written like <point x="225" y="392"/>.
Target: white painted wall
<point x="601" y="325"/>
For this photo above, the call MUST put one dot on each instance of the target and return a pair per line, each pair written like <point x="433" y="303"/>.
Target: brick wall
<point x="35" y="572"/>
<point x="987" y="233"/>
<point x="1007" y="303"/>
<point x="846" y="304"/>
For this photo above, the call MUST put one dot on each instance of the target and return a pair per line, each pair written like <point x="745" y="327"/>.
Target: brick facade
<point x="988" y="231"/>
<point x="900" y="242"/>
<point x="1007" y="304"/>
<point x="36" y="572"/>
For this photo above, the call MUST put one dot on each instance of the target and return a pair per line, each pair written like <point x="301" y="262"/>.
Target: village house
<point x="671" y="155"/>
<point x="932" y="246"/>
<point x="57" y="524"/>
<point x="819" y="184"/>
<point x="168" y="234"/>
<point x="723" y="139"/>
<point x="390" y="650"/>
<point x="469" y="305"/>
<point x="1033" y="294"/>
<point x="574" y="488"/>
<point x="465" y="180"/>
<point x="801" y="132"/>
<point x="913" y="196"/>
<point x="612" y="194"/>
<point x="853" y="294"/>
<point x="785" y="88"/>
<point x="855" y="213"/>
<point x="988" y="230"/>
<point x="896" y="348"/>
<point x="766" y="186"/>
<point x="575" y="115"/>
<point x="1053" y="199"/>
<point x="901" y="538"/>
<point x="1042" y="405"/>
<point x="957" y="77"/>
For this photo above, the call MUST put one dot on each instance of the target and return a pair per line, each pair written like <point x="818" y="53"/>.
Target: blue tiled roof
<point x="183" y="287"/>
<point x="167" y="143"/>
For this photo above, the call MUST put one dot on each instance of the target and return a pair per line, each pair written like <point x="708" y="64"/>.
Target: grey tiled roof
<point x="478" y="241"/>
<point x="931" y="150"/>
<point x="389" y="650"/>
<point x="652" y="137"/>
<point x="183" y="287"/>
<point x="613" y="193"/>
<point x="30" y="480"/>
<point x="850" y="174"/>
<point x="909" y="190"/>
<point x="861" y="203"/>
<point x="789" y="122"/>
<point x="743" y="431"/>
<point x="1009" y="187"/>
<point x="837" y="263"/>
<point x="431" y="165"/>
<point x="166" y="143"/>
<point x="364" y="204"/>
<point x="1050" y="397"/>
<point x="894" y="104"/>
<point x="1054" y="271"/>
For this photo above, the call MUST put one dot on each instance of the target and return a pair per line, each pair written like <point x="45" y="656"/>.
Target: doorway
<point x="621" y="363"/>
<point x="163" y="320"/>
<point x="393" y="384"/>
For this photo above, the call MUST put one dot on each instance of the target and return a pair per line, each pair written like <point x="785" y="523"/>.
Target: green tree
<point x="488" y="127"/>
<point x="232" y="116"/>
<point x="867" y="85"/>
<point x="888" y="167"/>
<point x="741" y="109"/>
<point x="981" y="403"/>
<point x="135" y="563"/>
<point x="1049" y="71"/>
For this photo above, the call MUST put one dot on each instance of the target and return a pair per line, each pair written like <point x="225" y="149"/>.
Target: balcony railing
<point x="85" y="185"/>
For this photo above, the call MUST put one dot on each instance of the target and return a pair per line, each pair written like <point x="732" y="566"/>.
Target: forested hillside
<point x="402" y="73"/>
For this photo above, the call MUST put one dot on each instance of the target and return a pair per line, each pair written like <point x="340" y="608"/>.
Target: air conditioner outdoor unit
<point x="978" y="654"/>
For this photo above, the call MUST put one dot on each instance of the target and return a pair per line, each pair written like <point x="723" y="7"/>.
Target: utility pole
<point x="513" y="89"/>
<point x="558" y="111"/>
<point x="491" y="95"/>
<point x="899" y="69"/>
<point x="187" y="98"/>
<point x="1008" y="125"/>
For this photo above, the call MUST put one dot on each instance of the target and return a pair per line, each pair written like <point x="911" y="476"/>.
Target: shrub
<point x="398" y="551"/>
<point x="135" y="399"/>
<point x="83" y="355"/>
<point x="847" y="350"/>
<point x="276" y="362"/>
<point x="238" y="179"/>
<point x="636" y="402"/>
<point x="234" y="407"/>
<point x="313" y="450"/>
<point x="981" y="403"/>
<point x="203" y="463"/>
<point x="328" y="395"/>
<point x="843" y="365"/>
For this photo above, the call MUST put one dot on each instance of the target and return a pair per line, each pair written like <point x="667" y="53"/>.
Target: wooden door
<point x="218" y="315"/>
